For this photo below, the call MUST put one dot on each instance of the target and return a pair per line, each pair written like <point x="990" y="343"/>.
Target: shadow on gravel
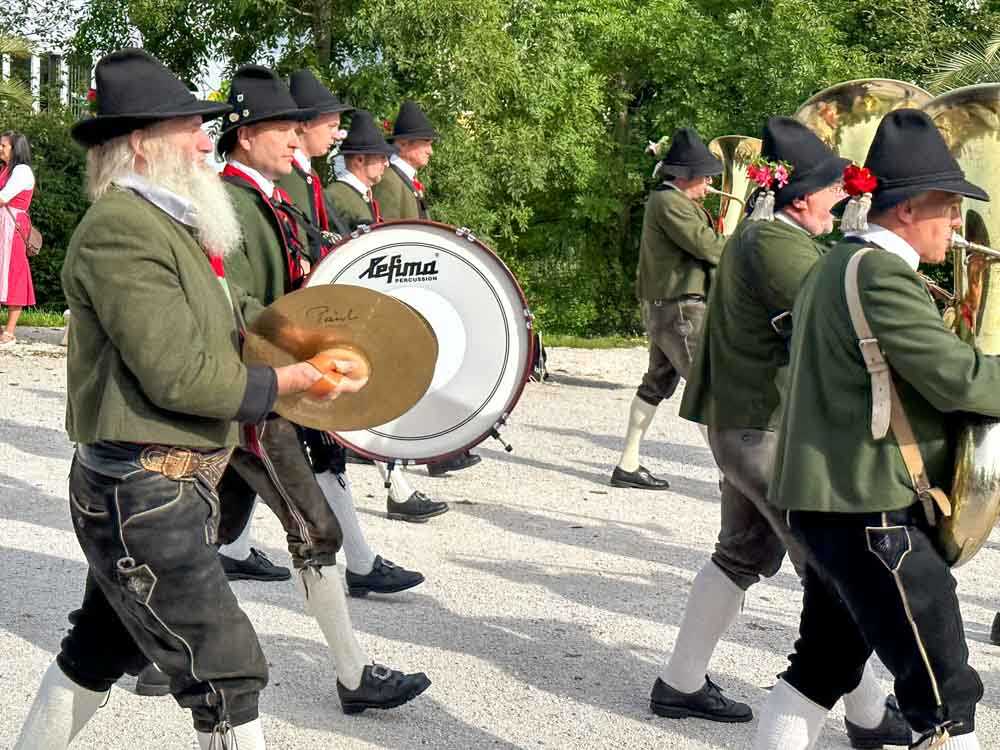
<point x="561" y="377"/>
<point x="696" y="455"/>
<point x="35" y="439"/>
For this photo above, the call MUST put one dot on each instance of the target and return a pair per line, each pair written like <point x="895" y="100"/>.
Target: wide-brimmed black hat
<point x="309" y="93"/>
<point x="814" y="165"/>
<point x="412" y="123"/>
<point x="909" y="156"/>
<point x="365" y="137"/>
<point x="689" y="157"/>
<point x="257" y="94"/>
<point x="135" y="90"/>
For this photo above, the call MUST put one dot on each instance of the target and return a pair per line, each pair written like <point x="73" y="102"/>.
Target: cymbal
<point x="398" y="342"/>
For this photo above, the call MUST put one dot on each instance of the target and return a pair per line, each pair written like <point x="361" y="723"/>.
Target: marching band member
<point x="156" y="390"/>
<point x="677" y="255"/>
<point x="733" y="389"/>
<point x="400" y="195"/>
<point x="366" y="155"/>
<point x="259" y="140"/>
<point x="870" y="351"/>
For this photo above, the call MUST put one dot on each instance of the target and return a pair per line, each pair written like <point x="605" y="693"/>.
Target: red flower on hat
<point x="859" y="180"/>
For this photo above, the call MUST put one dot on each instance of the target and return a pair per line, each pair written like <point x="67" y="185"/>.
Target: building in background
<point x="53" y="79"/>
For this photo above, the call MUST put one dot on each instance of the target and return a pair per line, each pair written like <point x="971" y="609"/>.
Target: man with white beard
<point x="155" y="394"/>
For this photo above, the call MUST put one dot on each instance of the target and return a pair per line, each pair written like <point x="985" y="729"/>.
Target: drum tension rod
<point x="506" y="446"/>
<point x="388" y="473"/>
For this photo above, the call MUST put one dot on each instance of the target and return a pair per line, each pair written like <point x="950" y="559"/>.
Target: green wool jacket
<point x="679" y="249"/>
<point x="296" y="185"/>
<point x="350" y="205"/>
<point x="396" y="197"/>
<point x="153" y="347"/>
<point x="736" y="369"/>
<point x="259" y="266"/>
<point x="827" y="459"/>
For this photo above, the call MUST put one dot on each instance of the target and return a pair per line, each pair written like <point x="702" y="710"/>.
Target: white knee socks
<point x="712" y="606"/>
<point x="239" y="549"/>
<point x="865" y="705"/>
<point x="327" y="602"/>
<point x="790" y="721"/>
<point x="640" y="416"/>
<point x="249" y="736"/>
<point x="336" y="488"/>
<point x="400" y="488"/>
<point x="60" y="711"/>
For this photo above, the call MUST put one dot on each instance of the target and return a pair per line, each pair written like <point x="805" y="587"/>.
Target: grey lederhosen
<point x="754" y="535"/>
<point x="674" y="327"/>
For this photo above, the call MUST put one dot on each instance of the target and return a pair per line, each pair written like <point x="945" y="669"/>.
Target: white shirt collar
<point x="672" y="186"/>
<point x="265" y="185"/>
<point x="408" y="169"/>
<point x="890" y="242"/>
<point x="351" y="179"/>
<point x="786" y="219"/>
<point x="303" y="161"/>
<point x="178" y="208"/>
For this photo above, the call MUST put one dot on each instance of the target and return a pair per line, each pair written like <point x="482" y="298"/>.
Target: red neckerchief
<point x="294" y="250"/>
<point x="376" y="211"/>
<point x="322" y="219"/>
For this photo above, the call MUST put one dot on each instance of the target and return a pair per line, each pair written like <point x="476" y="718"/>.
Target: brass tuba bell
<point x="846" y="115"/>
<point x="969" y="120"/>
<point x="736" y="152"/>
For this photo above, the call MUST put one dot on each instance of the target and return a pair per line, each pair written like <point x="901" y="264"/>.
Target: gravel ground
<point x="551" y="599"/>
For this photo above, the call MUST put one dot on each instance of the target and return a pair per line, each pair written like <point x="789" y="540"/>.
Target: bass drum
<point x="481" y="320"/>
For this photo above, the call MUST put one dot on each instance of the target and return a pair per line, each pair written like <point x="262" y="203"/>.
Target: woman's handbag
<point x="33" y="242"/>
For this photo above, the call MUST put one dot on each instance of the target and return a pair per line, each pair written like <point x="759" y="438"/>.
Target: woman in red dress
<point x="17" y="184"/>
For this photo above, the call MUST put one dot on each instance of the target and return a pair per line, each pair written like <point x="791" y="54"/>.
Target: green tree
<point x="12" y="91"/>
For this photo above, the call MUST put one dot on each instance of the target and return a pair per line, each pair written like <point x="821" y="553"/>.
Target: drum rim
<point x="522" y="381"/>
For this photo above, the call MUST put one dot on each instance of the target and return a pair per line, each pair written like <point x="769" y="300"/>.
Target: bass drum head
<point x="481" y="320"/>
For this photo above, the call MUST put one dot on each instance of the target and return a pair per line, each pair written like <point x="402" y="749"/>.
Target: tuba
<point x="846" y="115"/>
<point x="969" y="120"/>
<point x="736" y="152"/>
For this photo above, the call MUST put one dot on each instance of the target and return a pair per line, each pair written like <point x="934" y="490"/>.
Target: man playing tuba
<point x="870" y="350"/>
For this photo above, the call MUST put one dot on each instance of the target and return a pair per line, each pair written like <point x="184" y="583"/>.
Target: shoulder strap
<point x="887" y="409"/>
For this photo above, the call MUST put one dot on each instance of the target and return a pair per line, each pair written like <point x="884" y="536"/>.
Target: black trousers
<point x="311" y="529"/>
<point x="155" y="591"/>
<point x="875" y="581"/>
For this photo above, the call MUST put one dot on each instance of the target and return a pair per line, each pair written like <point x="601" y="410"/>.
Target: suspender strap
<point x="887" y="409"/>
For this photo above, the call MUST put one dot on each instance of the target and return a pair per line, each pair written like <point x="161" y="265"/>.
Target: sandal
<point x="7" y="339"/>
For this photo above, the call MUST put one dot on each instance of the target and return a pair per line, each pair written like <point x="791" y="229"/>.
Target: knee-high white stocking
<point x="60" y="711"/>
<point x="327" y="602"/>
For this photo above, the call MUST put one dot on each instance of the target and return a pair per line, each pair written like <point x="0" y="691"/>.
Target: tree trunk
<point x="322" y="23"/>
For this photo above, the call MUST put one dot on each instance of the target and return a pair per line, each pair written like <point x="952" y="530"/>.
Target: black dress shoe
<point x="707" y="703"/>
<point x="255" y="568"/>
<point x="894" y="730"/>
<point x="152" y="682"/>
<point x="385" y="578"/>
<point x="417" y="509"/>
<point x="995" y="630"/>
<point x="640" y="479"/>
<point x="455" y="463"/>
<point x="382" y="687"/>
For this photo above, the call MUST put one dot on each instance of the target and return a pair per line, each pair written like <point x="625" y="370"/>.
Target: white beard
<point x="216" y="225"/>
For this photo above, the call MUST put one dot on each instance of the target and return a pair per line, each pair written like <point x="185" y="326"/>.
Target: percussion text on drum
<point x="396" y="270"/>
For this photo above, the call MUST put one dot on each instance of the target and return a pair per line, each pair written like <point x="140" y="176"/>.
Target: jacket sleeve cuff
<point x="260" y="394"/>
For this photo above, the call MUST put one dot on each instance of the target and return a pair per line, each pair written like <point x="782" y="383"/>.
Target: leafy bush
<point x="59" y="201"/>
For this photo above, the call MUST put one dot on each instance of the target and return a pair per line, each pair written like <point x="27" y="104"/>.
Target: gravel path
<point x="550" y="603"/>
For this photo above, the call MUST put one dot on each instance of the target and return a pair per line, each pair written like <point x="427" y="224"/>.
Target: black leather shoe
<point x="417" y="509"/>
<point x="894" y="730"/>
<point x="152" y="682"/>
<point x="455" y="463"/>
<point x="708" y="703"/>
<point x="640" y="479"/>
<point x="995" y="630"/>
<point x="382" y="687"/>
<point x="255" y="568"/>
<point x="385" y="578"/>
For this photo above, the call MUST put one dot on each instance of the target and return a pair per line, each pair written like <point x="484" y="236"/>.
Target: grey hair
<point x="107" y="162"/>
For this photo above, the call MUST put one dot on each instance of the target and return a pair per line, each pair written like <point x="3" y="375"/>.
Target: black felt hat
<point x="256" y="94"/>
<point x="689" y="157"/>
<point x="909" y="156"/>
<point x="814" y="165"/>
<point x="135" y="90"/>
<point x="412" y="123"/>
<point x="309" y="93"/>
<point x="365" y="137"/>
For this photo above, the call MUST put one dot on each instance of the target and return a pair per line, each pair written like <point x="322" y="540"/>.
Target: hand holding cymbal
<point x="342" y="370"/>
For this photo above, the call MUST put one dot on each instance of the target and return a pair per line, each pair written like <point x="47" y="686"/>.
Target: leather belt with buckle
<point x="181" y="463"/>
